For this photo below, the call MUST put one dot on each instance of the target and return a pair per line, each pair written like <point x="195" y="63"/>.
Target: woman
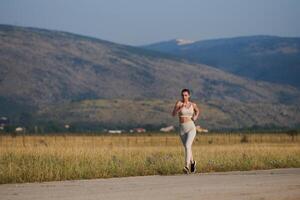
<point x="188" y="113"/>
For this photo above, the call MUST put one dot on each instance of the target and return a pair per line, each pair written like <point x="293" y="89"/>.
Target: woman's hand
<point x="194" y="118"/>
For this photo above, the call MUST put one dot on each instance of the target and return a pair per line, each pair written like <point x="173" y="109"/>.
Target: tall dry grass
<point x="48" y="158"/>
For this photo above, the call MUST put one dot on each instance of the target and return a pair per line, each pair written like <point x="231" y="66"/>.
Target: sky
<point x="139" y="22"/>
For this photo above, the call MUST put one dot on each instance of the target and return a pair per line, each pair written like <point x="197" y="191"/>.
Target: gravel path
<point x="272" y="184"/>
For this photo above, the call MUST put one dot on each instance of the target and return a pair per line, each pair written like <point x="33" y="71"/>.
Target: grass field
<point x="65" y="157"/>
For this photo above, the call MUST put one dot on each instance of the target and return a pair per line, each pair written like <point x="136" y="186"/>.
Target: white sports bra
<point x="186" y="112"/>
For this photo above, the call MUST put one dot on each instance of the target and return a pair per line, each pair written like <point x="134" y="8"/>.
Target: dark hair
<point x="185" y="90"/>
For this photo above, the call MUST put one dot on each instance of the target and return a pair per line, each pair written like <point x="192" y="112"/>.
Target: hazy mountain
<point x="53" y="75"/>
<point x="267" y="58"/>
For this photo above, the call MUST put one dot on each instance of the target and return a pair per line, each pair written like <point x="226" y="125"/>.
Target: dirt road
<point x="272" y="184"/>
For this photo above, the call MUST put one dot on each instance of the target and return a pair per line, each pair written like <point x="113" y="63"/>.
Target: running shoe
<point x="193" y="167"/>
<point x="186" y="170"/>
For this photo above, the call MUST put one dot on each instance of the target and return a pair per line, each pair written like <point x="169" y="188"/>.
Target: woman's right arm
<point x="176" y="108"/>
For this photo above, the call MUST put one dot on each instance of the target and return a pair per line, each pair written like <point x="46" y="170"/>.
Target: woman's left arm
<point x="197" y="112"/>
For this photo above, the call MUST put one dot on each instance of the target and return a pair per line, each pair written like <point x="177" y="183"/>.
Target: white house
<point x="167" y="129"/>
<point x="114" y="131"/>
<point x="20" y="129"/>
<point x="201" y="130"/>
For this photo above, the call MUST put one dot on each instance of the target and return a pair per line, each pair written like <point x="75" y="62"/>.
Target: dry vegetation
<point x="64" y="157"/>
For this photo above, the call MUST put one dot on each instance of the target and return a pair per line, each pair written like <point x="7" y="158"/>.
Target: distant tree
<point x="25" y="119"/>
<point x="292" y="133"/>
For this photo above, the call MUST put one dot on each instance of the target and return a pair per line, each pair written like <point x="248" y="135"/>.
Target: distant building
<point x="4" y="121"/>
<point x="167" y="129"/>
<point x="20" y="129"/>
<point x="114" y="131"/>
<point x="201" y="130"/>
<point x="139" y="130"/>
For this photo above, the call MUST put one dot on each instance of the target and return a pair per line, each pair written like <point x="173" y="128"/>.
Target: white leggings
<point x="187" y="135"/>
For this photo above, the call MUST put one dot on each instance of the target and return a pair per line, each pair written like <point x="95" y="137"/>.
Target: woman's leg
<point x="187" y="135"/>
<point x="189" y="141"/>
<point x="183" y="137"/>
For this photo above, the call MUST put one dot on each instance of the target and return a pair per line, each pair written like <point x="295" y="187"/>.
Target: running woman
<point x="188" y="112"/>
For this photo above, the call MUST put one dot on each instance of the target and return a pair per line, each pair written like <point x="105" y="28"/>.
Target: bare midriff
<point x="183" y="119"/>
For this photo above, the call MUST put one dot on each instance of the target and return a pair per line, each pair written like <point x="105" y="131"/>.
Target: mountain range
<point x="261" y="57"/>
<point x="62" y="77"/>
